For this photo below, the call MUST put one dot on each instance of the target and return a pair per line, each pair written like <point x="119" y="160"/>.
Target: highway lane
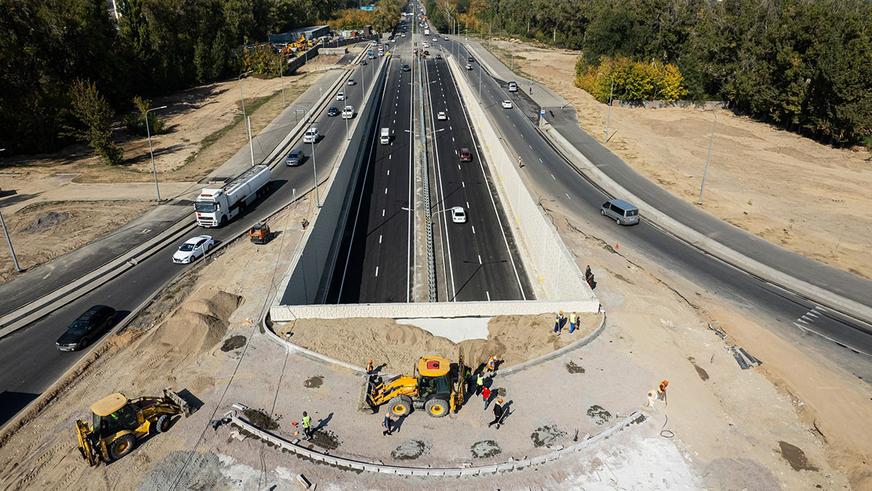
<point x="557" y="181"/>
<point x="30" y="362"/>
<point x="480" y="259"/>
<point x="378" y="264"/>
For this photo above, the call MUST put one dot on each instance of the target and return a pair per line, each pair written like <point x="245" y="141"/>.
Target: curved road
<point x="30" y="362"/>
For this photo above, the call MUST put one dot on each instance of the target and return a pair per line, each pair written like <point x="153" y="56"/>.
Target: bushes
<point x="262" y="61"/>
<point x="629" y="80"/>
<point x="135" y="121"/>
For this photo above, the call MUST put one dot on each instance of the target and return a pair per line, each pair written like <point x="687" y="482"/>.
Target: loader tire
<point x="163" y="423"/>
<point x="436" y="407"/>
<point x="122" y="446"/>
<point x="400" y="405"/>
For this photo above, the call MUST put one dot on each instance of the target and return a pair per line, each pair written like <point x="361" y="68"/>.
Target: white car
<point x="403" y="35"/>
<point x="441" y="116"/>
<point x="458" y="214"/>
<point x="340" y="96"/>
<point x="426" y="45"/>
<point x="351" y="81"/>
<point x="513" y="87"/>
<point x="435" y="39"/>
<point x="507" y="104"/>
<point x="193" y="248"/>
<point x="445" y="38"/>
<point x="348" y="112"/>
<point x="311" y="135"/>
<point x="468" y="66"/>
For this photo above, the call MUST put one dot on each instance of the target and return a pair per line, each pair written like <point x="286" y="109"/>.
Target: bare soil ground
<point x="43" y="231"/>
<point x="796" y="422"/>
<point x="792" y="191"/>
<point x="513" y="339"/>
<point x="205" y="130"/>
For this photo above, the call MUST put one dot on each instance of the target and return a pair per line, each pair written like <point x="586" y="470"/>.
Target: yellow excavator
<point x="437" y="387"/>
<point x="120" y="423"/>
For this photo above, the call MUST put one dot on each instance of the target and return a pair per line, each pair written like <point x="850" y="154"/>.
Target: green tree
<point x="94" y="113"/>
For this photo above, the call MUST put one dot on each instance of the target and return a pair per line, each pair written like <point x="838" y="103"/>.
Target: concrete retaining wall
<point x="550" y="265"/>
<point x="287" y="313"/>
<point x="308" y="279"/>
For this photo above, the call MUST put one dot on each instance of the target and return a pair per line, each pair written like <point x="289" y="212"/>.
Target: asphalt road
<point x="29" y="361"/>
<point x="558" y="182"/>
<point x="479" y="257"/>
<point x="377" y="266"/>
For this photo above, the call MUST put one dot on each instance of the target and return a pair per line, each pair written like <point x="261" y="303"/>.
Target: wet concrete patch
<point x="571" y="367"/>
<point x="546" y="436"/>
<point x="795" y="457"/>
<point x="325" y="439"/>
<point x="410" y="450"/>
<point x="313" y="382"/>
<point x="485" y="449"/>
<point x="598" y="414"/>
<point x="232" y="343"/>
<point x="699" y="370"/>
<point x="261" y="419"/>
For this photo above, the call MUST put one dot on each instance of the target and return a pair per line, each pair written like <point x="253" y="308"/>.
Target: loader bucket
<point x="86" y="448"/>
<point x="177" y="400"/>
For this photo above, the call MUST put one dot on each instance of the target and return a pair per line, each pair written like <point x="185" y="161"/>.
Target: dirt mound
<point x="46" y="221"/>
<point x="515" y="339"/>
<point x="200" y="322"/>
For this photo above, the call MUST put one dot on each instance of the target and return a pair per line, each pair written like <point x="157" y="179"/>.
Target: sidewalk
<point x="50" y="276"/>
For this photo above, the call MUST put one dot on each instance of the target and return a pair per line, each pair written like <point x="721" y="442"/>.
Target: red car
<point x="465" y="156"/>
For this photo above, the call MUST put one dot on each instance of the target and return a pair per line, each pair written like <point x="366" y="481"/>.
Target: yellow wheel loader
<point x="120" y="423"/>
<point x="437" y="387"/>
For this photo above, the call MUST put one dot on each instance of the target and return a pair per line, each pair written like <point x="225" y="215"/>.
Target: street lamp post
<point x="9" y="239"/>
<point x="708" y="158"/>
<point x="151" y="150"/>
<point x="246" y="118"/>
<point x="315" y="173"/>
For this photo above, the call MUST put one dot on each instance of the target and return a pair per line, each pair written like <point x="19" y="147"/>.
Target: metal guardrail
<point x="425" y="171"/>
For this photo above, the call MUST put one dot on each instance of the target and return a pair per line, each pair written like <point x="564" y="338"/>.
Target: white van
<point x="385" y="136"/>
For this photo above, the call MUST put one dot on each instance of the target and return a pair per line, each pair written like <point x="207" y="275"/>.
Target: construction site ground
<point x="795" y="422"/>
<point x="808" y="197"/>
<point x="57" y="203"/>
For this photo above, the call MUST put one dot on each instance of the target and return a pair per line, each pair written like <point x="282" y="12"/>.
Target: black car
<point x="406" y="68"/>
<point x="470" y="60"/>
<point x="333" y="111"/>
<point x="87" y="328"/>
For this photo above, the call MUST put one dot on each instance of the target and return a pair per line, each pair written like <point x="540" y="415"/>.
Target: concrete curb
<point x="467" y="469"/>
<point x="33" y="311"/>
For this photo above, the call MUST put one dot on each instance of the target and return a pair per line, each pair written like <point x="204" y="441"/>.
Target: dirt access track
<point x="56" y="203"/>
<point x="804" y="196"/>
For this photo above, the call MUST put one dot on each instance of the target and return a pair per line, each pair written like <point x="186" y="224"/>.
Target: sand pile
<point x="200" y="322"/>
<point x="513" y="338"/>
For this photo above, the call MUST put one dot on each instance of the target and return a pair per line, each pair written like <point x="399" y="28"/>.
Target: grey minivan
<point x="622" y="212"/>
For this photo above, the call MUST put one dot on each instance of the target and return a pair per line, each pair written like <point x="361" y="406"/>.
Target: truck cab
<point x="385" y="136"/>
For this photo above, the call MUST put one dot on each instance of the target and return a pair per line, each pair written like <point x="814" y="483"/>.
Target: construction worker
<point x="573" y="319"/>
<point x="498" y="413"/>
<point x="486" y="395"/>
<point x="558" y="322"/>
<point x="388" y="424"/>
<point x="479" y="383"/>
<point x="307" y="425"/>
<point x="492" y="364"/>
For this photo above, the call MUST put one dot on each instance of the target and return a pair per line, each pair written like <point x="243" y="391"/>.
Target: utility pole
<point x="246" y="118"/>
<point x="151" y="150"/>
<point x="315" y="173"/>
<point x="708" y="158"/>
<point x="608" y="114"/>
<point x="9" y="239"/>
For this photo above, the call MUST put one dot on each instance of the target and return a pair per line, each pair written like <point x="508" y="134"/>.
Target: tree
<point x="93" y="111"/>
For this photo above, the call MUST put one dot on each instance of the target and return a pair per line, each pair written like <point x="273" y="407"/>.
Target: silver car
<point x="622" y="212"/>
